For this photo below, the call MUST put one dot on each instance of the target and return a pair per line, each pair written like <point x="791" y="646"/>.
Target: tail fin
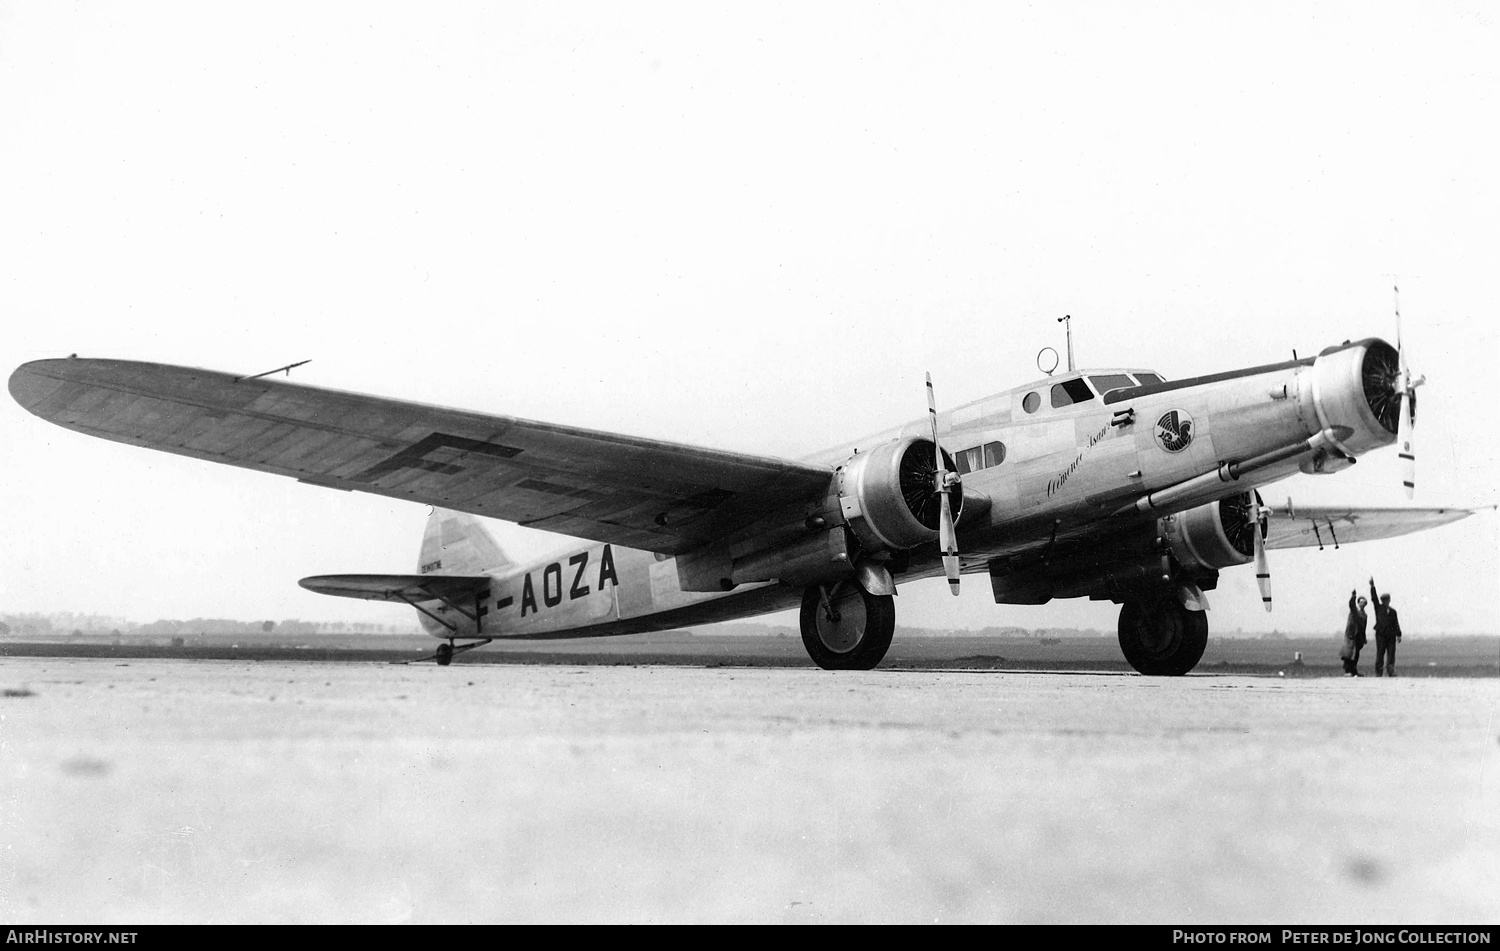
<point x="456" y="543"/>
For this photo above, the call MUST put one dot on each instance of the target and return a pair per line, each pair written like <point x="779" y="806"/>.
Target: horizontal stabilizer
<point x="1297" y="526"/>
<point x="453" y="589"/>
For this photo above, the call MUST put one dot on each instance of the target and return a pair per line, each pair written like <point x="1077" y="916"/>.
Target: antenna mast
<point x="1067" y="321"/>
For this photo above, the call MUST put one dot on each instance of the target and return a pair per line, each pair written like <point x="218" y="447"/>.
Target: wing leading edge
<point x="635" y="492"/>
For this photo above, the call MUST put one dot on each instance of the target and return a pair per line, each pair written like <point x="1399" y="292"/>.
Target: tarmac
<point x="148" y="790"/>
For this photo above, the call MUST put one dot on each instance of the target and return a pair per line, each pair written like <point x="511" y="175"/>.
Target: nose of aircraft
<point x="1380" y="375"/>
<point x="1354" y="387"/>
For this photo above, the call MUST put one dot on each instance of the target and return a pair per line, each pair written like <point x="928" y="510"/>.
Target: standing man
<point x="1387" y="631"/>
<point x="1354" y="635"/>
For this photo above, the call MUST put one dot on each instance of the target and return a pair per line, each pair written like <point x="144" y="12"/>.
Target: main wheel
<point x="845" y="627"/>
<point x="1160" y="637"/>
<point x="444" y="655"/>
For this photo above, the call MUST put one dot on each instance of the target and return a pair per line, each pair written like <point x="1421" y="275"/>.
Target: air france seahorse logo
<point x="1174" y="431"/>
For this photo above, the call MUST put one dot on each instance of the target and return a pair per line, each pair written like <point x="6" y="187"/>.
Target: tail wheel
<point x="845" y="627"/>
<point x="1160" y="637"/>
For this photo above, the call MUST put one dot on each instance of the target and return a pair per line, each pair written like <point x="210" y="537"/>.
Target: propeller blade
<point x="1404" y="387"/>
<point x="947" y="536"/>
<point x="1262" y="565"/>
<point x="1408" y="453"/>
<point x="932" y="416"/>
<point x="949" y="541"/>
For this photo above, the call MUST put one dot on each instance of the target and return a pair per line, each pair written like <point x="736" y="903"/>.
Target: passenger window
<point x="1148" y="378"/>
<point x="994" y="454"/>
<point x="1071" y="391"/>
<point x="1110" y="381"/>
<point x="968" y="460"/>
<point x="1031" y="402"/>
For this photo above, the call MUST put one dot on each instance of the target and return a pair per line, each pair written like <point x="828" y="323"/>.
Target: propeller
<point x="1404" y="388"/>
<point x="943" y="482"/>
<point x="1258" y="520"/>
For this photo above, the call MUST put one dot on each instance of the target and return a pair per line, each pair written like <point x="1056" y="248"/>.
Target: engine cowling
<point x="1213" y="536"/>
<point x="887" y="496"/>
<point x="1355" y="387"/>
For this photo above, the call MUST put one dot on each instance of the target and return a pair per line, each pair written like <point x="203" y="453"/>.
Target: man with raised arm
<point x="1387" y="631"/>
<point x="1354" y="635"/>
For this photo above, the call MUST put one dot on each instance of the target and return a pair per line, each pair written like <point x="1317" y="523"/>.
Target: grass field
<point x="1460" y="656"/>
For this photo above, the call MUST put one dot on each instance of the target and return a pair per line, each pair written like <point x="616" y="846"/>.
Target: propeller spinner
<point x="943" y="485"/>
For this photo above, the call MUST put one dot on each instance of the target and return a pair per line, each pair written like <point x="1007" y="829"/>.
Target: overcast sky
<point x="750" y="226"/>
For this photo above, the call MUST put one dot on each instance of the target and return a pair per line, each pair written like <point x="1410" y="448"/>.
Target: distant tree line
<point x="217" y="625"/>
<point x="43" y="625"/>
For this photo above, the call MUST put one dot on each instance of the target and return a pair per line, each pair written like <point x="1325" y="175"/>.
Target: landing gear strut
<point x="1160" y="637"/>
<point x="845" y="627"/>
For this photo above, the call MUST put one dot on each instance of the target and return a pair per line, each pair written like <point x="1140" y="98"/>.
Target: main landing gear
<point x="1159" y="636"/>
<point x="844" y="627"/>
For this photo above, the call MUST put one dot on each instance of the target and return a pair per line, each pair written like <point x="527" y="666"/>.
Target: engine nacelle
<point x="887" y="494"/>
<point x="1354" y="386"/>
<point x="1201" y="540"/>
<point x="1213" y="536"/>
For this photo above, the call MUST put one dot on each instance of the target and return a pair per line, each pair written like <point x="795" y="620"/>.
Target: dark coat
<point x="1387" y="623"/>
<point x="1354" y="628"/>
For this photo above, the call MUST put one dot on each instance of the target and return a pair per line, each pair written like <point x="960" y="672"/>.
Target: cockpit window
<point x="1071" y="391"/>
<point x="1105" y="382"/>
<point x="1148" y="378"/>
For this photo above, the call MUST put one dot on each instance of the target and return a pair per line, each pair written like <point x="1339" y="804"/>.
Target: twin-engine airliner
<point x="1109" y="484"/>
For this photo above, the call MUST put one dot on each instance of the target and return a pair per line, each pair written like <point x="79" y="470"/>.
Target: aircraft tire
<point x="444" y="655"/>
<point x="859" y="636"/>
<point x="1161" y="638"/>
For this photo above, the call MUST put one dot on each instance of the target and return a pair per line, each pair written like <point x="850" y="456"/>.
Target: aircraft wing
<point x="455" y="589"/>
<point x="634" y="492"/>
<point x="1300" y="526"/>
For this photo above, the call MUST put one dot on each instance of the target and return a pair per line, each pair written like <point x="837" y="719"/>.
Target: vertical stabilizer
<point x="456" y="543"/>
